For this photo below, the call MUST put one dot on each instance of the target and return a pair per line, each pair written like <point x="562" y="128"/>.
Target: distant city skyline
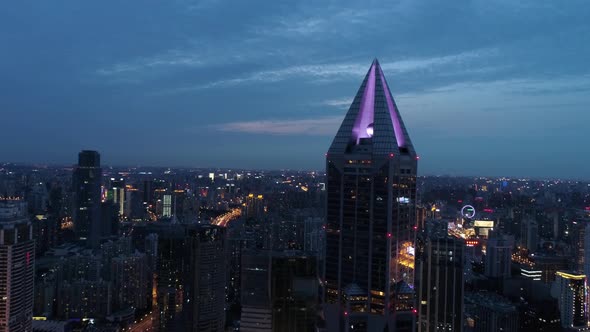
<point x="269" y="169"/>
<point x="495" y="89"/>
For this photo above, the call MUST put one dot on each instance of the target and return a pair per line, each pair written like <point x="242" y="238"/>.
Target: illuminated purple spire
<point x="373" y="115"/>
<point x="367" y="113"/>
<point x="395" y="117"/>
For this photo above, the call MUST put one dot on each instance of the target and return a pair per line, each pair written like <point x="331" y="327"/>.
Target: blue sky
<point x="485" y="87"/>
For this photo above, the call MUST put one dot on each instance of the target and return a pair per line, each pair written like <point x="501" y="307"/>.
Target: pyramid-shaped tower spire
<point x="373" y="115"/>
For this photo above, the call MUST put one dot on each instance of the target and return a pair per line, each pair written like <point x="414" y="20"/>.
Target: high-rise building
<point x="570" y="290"/>
<point x="118" y="194"/>
<point x="498" y="255"/>
<point x="371" y="215"/>
<point x="87" y="192"/>
<point x="530" y="234"/>
<point x="293" y="292"/>
<point x="134" y="207"/>
<point x="130" y="279"/>
<point x="84" y="298"/>
<point x="279" y="291"/>
<point x="256" y="305"/>
<point x="543" y="267"/>
<point x="490" y="312"/>
<point x="205" y="303"/>
<point x="189" y="287"/>
<point x="109" y="218"/>
<point x="148" y="192"/>
<point x="171" y="266"/>
<point x="254" y="206"/>
<point x="167" y="206"/>
<point x="581" y="244"/>
<point x="439" y="281"/>
<point x="17" y="267"/>
<point x="37" y="198"/>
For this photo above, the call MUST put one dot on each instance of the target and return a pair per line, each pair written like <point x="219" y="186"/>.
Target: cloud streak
<point x="335" y="71"/>
<point x="325" y="126"/>
<point x="306" y="25"/>
<point x="171" y="58"/>
<point x="341" y="103"/>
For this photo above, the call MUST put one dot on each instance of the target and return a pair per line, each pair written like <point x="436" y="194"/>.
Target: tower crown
<point x="373" y="116"/>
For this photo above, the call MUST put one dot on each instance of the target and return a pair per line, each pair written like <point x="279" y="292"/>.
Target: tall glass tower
<point x="86" y="181"/>
<point x="17" y="266"/>
<point x="371" y="216"/>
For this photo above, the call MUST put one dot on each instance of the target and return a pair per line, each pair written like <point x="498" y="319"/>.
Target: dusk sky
<point x="484" y="87"/>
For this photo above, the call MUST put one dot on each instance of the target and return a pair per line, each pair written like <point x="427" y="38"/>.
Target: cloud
<point x="309" y="24"/>
<point x="170" y="58"/>
<point x="523" y="86"/>
<point x="324" y="126"/>
<point x="342" y="103"/>
<point x="198" y="5"/>
<point x="335" y="71"/>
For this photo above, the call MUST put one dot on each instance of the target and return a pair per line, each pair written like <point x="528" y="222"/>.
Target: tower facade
<point x="205" y="305"/>
<point x="371" y="215"/>
<point x="498" y="255"/>
<point x="87" y="181"/>
<point x="570" y="289"/>
<point x="17" y="267"/>
<point x="439" y="280"/>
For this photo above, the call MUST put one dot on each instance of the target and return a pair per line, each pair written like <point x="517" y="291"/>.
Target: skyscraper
<point x="205" y="305"/>
<point x="371" y="211"/>
<point x="130" y="277"/>
<point x="498" y="255"/>
<point x="530" y="234"/>
<point x="279" y="291"/>
<point x="570" y="290"/>
<point x="87" y="181"/>
<point x="118" y="192"/>
<point x="256" y="298"/>
<point x="490" y="312"/>
<point x="439" y="281"/>
<point x="17" y="267"/>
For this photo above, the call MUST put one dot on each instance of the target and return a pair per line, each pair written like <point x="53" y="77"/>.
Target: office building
<point x="490" y="312"/>
<point x="118" y="195"/>
<point x="130" y="278"/>
<point x="439" y="281"/>
<point x="371" y="215"/>
<point x="581" y="245"/>
<point x="84" y="299"/>
<point x="570" y="290"/>
<point x="87" y="198"/>
<point x="167" y="206"/>
<point x="205" y="303"/>
<point x="279" y="291"/>
<point x="530" y="234"/>
<point x="293" y="292"/>
<point x="498" y="255"/>
<point x="17" y="267"/>
<point x="543" y="266"/>
<point x="256" y="305"/>
<point x="171" y="267"/>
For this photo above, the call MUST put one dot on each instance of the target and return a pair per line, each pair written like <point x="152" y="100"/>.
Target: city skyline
<point x="325" y="166"/>
<point x="478" y="99"/>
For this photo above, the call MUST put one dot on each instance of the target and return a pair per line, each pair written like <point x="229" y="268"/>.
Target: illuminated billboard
<point x="484" y="223"/>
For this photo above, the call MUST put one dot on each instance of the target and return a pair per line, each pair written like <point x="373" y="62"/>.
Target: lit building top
<point x="369" y="116"/>
<point x="570" y="276"/>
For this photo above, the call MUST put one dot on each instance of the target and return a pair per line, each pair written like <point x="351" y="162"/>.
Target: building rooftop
<point x="373" y="115"/>
<point x="12" y="208"/>
<point x="490" y="300"/>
